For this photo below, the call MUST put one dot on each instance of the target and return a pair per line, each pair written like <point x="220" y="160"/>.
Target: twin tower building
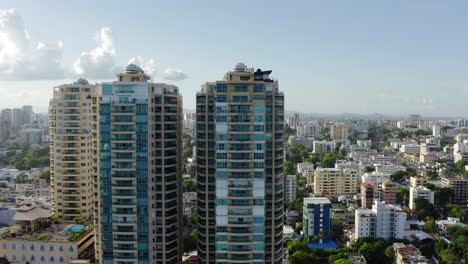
<point x="117" y="159"/>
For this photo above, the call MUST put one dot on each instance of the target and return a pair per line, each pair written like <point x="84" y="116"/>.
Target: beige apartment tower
<point x="70" y="151"/>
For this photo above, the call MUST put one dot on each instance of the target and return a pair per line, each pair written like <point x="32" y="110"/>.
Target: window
<point x="52" y="259"/>
<point x="61" y="248"/>
<point x="4" y="246"/>
<point x="13" y="246"/>
<point x="51" y="248"/>
<point x="258" y="88"/>
<point x="42" y="259"/>
<point x="222" y="88"/>
<point x="32" y="248"/>
<point x="241" y="88"/>
<point x="221" y="98"/>
<point x="70" y="249"/>
<point x="61" y="259"/>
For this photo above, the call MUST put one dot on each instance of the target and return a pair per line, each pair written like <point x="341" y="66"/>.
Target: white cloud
<point x="18" y="61"/>
<point x="100" y="61"/>
<point x="174" y="74"/>
<point x="149" y="66"/>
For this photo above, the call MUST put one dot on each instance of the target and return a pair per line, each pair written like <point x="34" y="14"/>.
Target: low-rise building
<point x="445" y="225"/>
<point x="35" y="239"/>
<point x="408" y="254"/>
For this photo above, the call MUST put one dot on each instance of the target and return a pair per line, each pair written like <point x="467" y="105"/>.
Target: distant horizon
<point x="367" y="57"/>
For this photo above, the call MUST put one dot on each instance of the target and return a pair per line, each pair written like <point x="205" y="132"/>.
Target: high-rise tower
<point x="138" y="182"/>
<point x="71" y="151"/>
<point x="239" y="141"/>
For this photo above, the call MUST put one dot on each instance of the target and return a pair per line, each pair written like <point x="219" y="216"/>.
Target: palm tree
<point x="322" y="236"/>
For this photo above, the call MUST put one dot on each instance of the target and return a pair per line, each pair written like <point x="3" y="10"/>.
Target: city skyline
<point x="399" y="59"/>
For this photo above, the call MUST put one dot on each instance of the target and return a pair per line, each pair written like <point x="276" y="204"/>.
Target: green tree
<point x="368" y="169"/>
<point x="454" y="211"/>
<point x="402" y="196"/>
<point x="314" y="158"/>
<point x="297" y="246"/>
<point x="337" y="229"/>
<point x="390" y="253"/>
<point x="298" y="153"/>
<point x="442" y="196"/>
<point x="432" y="175"/>
<point x="460" y="166"/>
<point x="45" y="175"/>
<point x="301" y="257"/>
<point x="330" y="158"/>
<point x="192" y="171"/>
<point x="343" y="261"/>
<point x="424" y="208"/>
<point x="430" y="226"/>
<point x="373" y="251"/>
<point x="444" y="141"/>
<point x="288" y="168"/>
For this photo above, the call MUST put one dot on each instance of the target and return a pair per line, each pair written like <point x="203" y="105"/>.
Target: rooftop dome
<point x="240" y="67"/>
<point x="133" y="69"/>
<point x="82" y="81"/>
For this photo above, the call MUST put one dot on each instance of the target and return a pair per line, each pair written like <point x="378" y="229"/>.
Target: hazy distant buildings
<point x="436" y="131"/>
<point x="339" y="132"/>
<point x="22" y="116"/>
<point x="6" y="123"/>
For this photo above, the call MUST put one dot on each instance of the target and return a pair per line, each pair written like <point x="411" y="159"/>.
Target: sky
<point x="390" y="57"/>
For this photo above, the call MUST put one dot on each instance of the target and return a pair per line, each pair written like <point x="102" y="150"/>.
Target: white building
<point x="305" y="166"/>
<point x="388" y="168"/>
<point x="420" y="192"/>
<point x="381" y="159"/>
<point x="410" y="149"/>
<point x="291" y="188"/>
<point x="436" y="131"/>
<point x="382" y="221"/>
<point x="322" y="146"/>
<point x="460" y="150"/>
<point x="364" y="143"/>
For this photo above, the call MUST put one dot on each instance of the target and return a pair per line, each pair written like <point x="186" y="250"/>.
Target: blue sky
<point x="396" y="57"/>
